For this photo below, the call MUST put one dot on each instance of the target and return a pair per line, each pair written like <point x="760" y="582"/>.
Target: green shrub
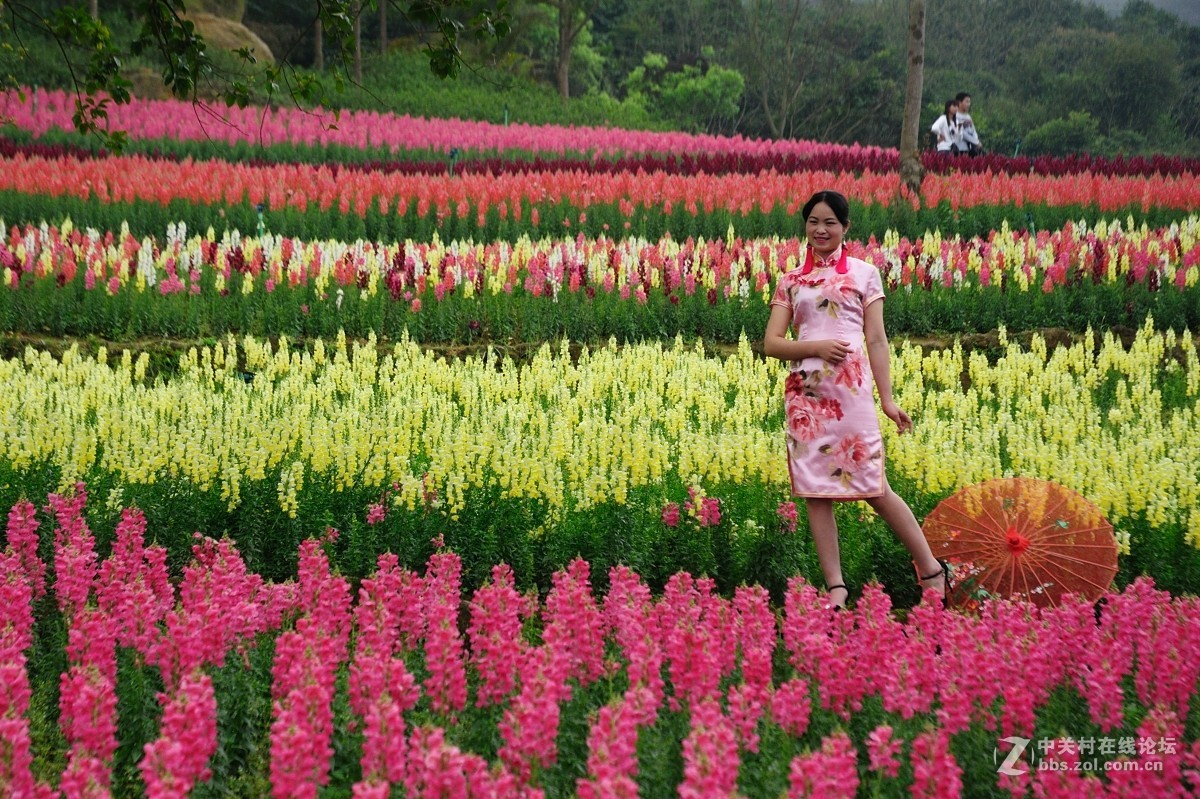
<point x="1078" y="132"/>
<point x="700" y="100"/>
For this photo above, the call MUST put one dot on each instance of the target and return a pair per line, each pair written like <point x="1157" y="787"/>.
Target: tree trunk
<point x="566" y="11"/>
<point x="383" y="40"/>
<point x="356" y="9"/>
<point x="911" y="170"/>
<point x="318" y="45"/>
<point x="94" y="8"/>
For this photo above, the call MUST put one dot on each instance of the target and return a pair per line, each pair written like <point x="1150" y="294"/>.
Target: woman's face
<point x="825" y="232"/>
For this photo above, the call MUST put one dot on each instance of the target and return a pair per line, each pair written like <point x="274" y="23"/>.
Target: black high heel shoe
<point x="842" y="586"/>
<point x="943" y="571"/>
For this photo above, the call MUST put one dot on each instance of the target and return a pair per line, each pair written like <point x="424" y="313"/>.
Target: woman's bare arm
<point x="880" y="355"/>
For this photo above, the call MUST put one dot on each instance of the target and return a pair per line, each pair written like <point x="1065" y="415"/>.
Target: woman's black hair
<point x="836" y="201"/>
<point x="949" y="103"/>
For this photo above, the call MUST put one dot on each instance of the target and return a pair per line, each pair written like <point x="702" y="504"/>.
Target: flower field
<point x="611" y="697"/>
<point x="388" y="142"/>
<point x="67" y="281"/>
<point x="300" y="186"/>
<point x="558" y="443"/>
<point x="338" y="468"/>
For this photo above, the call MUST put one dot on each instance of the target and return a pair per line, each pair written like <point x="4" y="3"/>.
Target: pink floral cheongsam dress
<point x="835" y="449"/>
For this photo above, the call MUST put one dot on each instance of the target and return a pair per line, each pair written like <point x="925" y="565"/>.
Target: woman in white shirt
<point x="949" y="138"/>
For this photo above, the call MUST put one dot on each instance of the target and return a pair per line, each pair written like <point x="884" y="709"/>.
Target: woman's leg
<point x="825" y="538"/>
<point x="895" y="511"/>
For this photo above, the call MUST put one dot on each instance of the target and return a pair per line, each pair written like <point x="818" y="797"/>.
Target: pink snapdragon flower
<point x="307" y="660"/>
<point x="497" y="648"/>
<point x="1159" y="764"/>
<point x="132" y="585"/>
<point x="830" y="773"/>
<point x="221" y="604"/>
<point x="23" y="541"/>
<point x="710" y="512"/>
<point x="381" y="688"/>
<point x="574" y="626"/>
<point x="446" y="684"/>
<point x="936" y="774"/>
<point x="791" y="706"/>
<point x="612" y="755"/>
<point x="756" y="636"/>
<point x="16" y="636"/>
<point x="529" y="726"/>
<point x="439" y="770"/>
<point x="75" y="558"/>
<point x="178" y="759"/>
<point x="710" y="755"/>
<point x="631" y="615"/>
<point x="699" y="640"/>
<point x="88" y="705"/>
<point x="788" y="515"/>
<point x="882" y="750"/>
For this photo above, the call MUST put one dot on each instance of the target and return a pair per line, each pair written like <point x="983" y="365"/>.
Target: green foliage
<point x="402" y="84"/>
<point x="1134" y="82"/>
<point x="139" y="714"/>
<point x="694" y="98"/>
<point x="537" y="41"/>
<point x="820" y="71"/>
<point x="243" y="687"/>
<point x="46" y="661"/>
<point x="1034" y="61"/>
<point x="1077" y="133"/>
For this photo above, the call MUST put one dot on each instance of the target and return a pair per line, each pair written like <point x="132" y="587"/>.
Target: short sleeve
<point x="782" y="296"/>
<point x="872" y="285"/>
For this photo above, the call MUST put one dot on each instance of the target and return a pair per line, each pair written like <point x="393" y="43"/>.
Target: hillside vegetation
<point x="1047" y="76"/>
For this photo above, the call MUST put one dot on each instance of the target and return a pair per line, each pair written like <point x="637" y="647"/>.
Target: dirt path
<point x="164" y="352"/>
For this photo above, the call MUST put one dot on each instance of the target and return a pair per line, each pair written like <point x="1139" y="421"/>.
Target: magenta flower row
<point x="688" y="650"/>
<point x="489" y="148"/>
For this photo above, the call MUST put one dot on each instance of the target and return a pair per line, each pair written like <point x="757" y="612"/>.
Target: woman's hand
<point x="894" y="412"/>
<point x="831" y="350"/>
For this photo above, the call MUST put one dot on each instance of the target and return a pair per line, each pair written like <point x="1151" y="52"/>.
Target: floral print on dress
<point x="851" y="372"/>
<point x="848" y="457"/>
<point x="807" y="416"/>
<point x="804" y="421"/>
<point x="836" y="291"/>
<point x="835" y="448"/>
<point x="806" y="381"/>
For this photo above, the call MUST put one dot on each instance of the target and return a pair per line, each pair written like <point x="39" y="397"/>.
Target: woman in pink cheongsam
<point x="833" y="303"/>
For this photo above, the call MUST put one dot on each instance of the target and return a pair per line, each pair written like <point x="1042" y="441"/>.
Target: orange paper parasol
<point x="1022" y="538"/>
